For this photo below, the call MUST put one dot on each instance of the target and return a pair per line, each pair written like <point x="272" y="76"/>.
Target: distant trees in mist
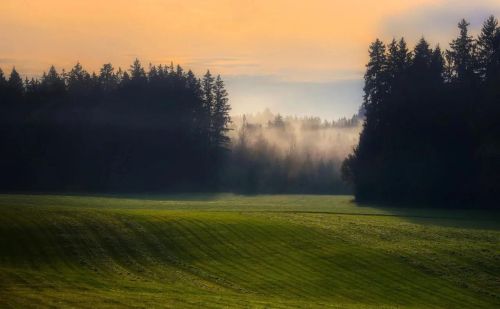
<point x="276" y="154"/>
<point x="155" y="129"/>
<point x="432" y="130"/>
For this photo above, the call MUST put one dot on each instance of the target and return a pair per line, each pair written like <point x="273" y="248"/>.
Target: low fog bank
<point x="276" y="154"/>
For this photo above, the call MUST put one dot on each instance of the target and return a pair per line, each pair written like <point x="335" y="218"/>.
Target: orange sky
<point x="292" y="41"/>
<point x="283" y="37"/>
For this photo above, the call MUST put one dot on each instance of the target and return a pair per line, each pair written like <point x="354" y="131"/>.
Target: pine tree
<point x="52" y="83"/>
<point x="488" y="46"/>
<point x="155" y="74"/>
<point x="422" y="55"/>
<point x="192" y="82"/>
<point x="179" y="71"/>
<point x="427" y="66"/>
<point x="78" y="80"/>
<point x="15" y="84"/>
<point x="375" y="77"/>
<point x="398" y="62"/>
<point x="137" y="73"/>
<point x="207" y="86"/>
<point x="3" y="81"/>
<point x="398" y="58"/>
<point x="220" y="116"/>
<point x="437" y="69"/>
<point x="125" y="78"/>
<point x="462" y="55"/>
<point x="392" y="55"/>
<point x="404" y="55"/>
<point x="199" y="117"/>
<point x="107" y="77"/>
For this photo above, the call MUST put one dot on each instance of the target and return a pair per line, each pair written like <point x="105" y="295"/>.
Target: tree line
<point x="154" y="129"/>
<point x="432" y="129"/>
<point x="159" y="129"/>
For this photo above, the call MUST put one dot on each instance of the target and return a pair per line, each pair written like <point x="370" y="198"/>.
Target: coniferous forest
<point x="160" y="129"/>
<point x="432" y="128"/>
<point x="430" y="135"/>
<point x="155" y="130"/>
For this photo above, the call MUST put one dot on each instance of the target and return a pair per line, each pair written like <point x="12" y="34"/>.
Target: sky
<point x="294" y="57"/>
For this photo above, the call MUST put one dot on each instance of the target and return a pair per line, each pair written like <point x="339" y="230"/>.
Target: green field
<point x="215" y="251"/>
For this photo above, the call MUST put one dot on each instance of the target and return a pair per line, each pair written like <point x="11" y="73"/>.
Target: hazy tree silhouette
<point x="141" y="130"/>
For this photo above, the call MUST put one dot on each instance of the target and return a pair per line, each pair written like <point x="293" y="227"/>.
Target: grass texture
<point x="228" y="251"/>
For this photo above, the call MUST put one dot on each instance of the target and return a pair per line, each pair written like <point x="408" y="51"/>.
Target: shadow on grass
<point x="481" y="218"/>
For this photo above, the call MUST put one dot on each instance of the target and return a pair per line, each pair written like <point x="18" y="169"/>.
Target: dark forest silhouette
<point x="121" y="131"/>
<point x="432" y="129"/>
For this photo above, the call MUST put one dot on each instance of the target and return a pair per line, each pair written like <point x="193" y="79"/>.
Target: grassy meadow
<point x="228" y="251"/>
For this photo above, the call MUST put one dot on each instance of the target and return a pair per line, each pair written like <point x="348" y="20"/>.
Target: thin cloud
<point x="222" y="62"/>
<point x="438" y="23"/>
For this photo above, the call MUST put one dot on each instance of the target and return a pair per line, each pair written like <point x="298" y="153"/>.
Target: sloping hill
<point x="231" y="251"/>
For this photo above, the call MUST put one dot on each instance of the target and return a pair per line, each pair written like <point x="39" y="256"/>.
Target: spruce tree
<point x="137" y="73"/>
<point x="15" y="85"/>
<point x="107" y="77"/>
<point x="78" y="80"/>
<point x="125" y="78"/>
<point x="220" y="116"/>
<point x="207" y="86"/>
<point x="52" y="83"/>
<point x="3" y="81"/>
<point x="422" y="55"/>
<point x="437" y="66"/>
<point x="375" y="88"/>
<point x="193" y="83"/>
<point x="398" y="58"/>
<point x="359" y="168"/>
<point x="462" y="55"/>
<point x="488" y="46"/>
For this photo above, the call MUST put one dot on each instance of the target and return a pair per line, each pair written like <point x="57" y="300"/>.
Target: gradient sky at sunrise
<point x="295" y="57"/>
